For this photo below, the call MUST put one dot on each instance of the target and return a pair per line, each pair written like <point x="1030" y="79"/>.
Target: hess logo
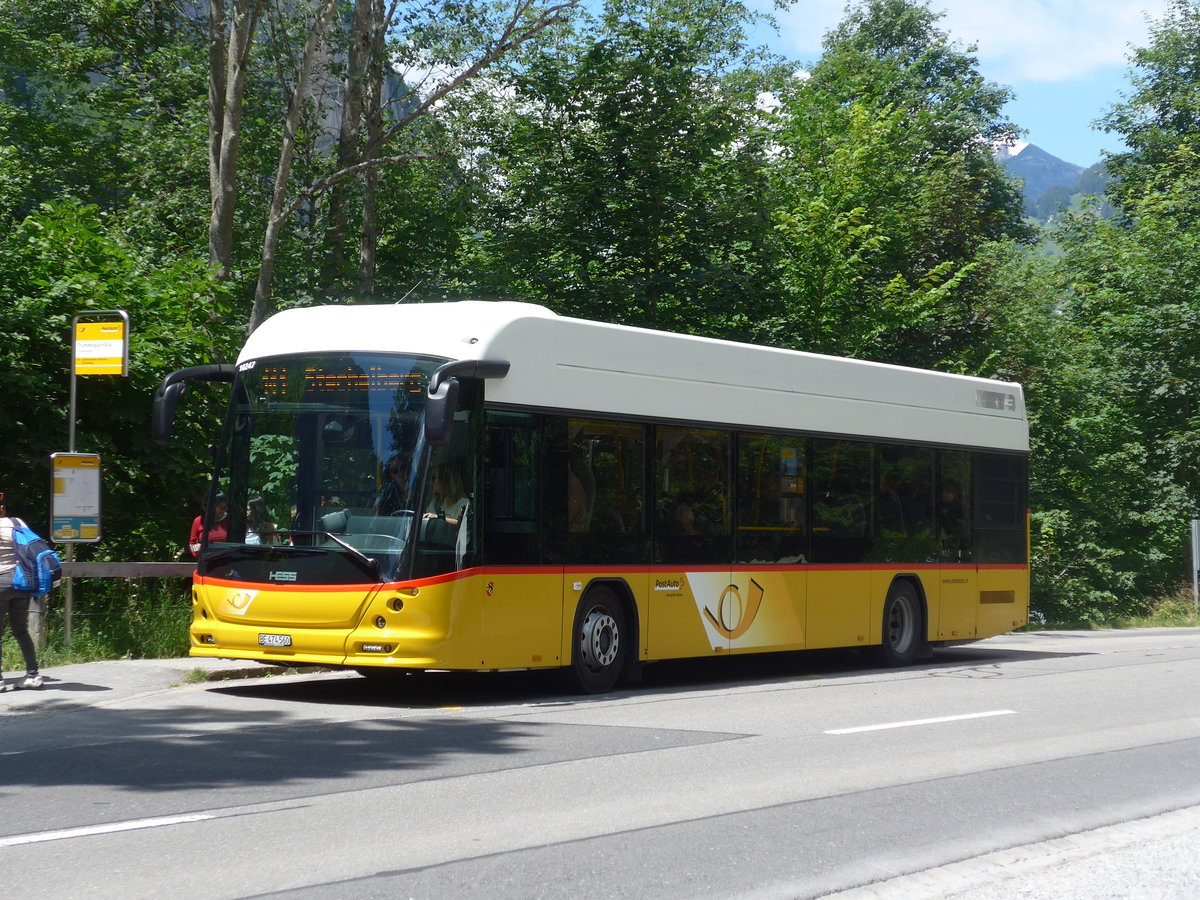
<point x="734" y="616"/>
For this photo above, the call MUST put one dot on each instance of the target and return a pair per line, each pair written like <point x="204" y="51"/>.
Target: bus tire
<point x="902" y="622"/>
<point x="598" y="642"/>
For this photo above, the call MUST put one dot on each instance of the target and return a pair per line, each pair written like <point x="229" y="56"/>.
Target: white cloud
<point x="1017" y="40"/>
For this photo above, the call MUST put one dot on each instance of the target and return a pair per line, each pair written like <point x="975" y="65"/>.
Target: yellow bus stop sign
<point x="75" y="502"/>
<point x="100" y="348"/>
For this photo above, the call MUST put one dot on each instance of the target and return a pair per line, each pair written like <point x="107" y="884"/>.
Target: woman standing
<point x="14" y="606"/>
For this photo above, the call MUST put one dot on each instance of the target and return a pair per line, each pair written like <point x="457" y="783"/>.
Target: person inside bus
<point x="393" y="498"/>
<point x="449" y="501"/>
<point x="217" y="532"/>
<point x="685" y="519"/>
<point x="581" y="497"/>
<point x="259" y="527"/>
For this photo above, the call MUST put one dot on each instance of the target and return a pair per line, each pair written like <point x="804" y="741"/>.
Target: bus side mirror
<point x="442" y="397"/>
<point x="166" y="398"/>
<point x="166" y="402"/>
<point x="439" y="412"/>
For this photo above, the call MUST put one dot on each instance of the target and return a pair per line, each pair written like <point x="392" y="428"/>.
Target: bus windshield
<point x="320" y="458"/>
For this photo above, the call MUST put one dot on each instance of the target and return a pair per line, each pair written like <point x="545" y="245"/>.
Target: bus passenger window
<point x="842" y="501"/>
<point x="1000" y="508"/>
<point x="904" y="505"/>
<point x="511" y="463"/>
<point x="692" y="496"/>
<point x="771" y="499"/>
<point x="595" y="494"/>
<point x="954" y="506"/>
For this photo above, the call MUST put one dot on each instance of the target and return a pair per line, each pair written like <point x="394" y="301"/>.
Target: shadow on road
<point x="479" y="690"/>
<point x="271" y="751"/>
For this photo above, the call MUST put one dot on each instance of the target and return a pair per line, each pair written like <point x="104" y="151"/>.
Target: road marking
<point x="979" y="715"/>
<point x="110" y="828"/>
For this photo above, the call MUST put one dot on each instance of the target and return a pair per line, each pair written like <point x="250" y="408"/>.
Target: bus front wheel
<point x="901" y="625"/>
<point x="598" y="642"/>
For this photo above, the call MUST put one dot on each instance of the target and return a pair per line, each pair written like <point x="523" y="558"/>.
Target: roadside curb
<point x="84" y="685"/>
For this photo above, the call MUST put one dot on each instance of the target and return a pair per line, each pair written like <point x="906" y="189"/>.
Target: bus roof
<point x="574" y="365"/>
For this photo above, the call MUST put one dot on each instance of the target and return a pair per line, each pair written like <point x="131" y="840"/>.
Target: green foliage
<point x="888" y="192"/>
<point x="624" y="179"/>
<point x="1161" y="116"/>
<point x="130" y="619"/>
<point x="644" y="165"/>
<point x="60" y="262"/>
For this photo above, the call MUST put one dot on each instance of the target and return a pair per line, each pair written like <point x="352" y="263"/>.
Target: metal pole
<point x="1196" y="566"/>
<point x="68" y="586"/>
<point x="68" y="609"/>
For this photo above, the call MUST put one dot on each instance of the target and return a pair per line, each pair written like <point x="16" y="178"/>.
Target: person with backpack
<point x="14" y="604"/>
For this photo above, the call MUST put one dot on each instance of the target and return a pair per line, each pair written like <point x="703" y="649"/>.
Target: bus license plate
<point x="275" y="640"/>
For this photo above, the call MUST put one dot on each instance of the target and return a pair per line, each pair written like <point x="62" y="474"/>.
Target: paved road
<point x="1022" y="766"/>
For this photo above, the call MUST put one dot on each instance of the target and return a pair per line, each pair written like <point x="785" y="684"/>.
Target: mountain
<point x="1039" y="170"/>
<point x="1049" y="182"/>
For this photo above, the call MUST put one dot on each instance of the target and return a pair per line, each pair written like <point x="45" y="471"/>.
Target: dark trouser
<point x="14" y="606"/>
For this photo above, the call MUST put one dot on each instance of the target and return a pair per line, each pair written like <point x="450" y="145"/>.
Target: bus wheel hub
<point x="600" y="640"/>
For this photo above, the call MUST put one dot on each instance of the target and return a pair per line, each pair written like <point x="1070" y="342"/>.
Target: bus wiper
<point x="369" y="563"/>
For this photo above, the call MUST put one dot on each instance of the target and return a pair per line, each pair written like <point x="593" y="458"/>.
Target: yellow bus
<point x="489" y="485"/>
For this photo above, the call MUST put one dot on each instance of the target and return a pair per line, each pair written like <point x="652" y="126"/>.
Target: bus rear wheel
<point x="901" y="625"/>
<point x="598" y="643"/>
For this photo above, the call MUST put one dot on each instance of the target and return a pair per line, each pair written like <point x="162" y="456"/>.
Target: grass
<point x="1175" y="611"/>
<point x="112" y="619"/>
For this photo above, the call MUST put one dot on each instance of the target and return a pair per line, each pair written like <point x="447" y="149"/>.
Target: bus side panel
<point x="522" y="618"/>
<point x="675" y="628"/>
<point x="960" y="602"/>
<point x="437" y="628"/>
<point x="839" y="607"/>
<point x="764" y="610"/>
<point x="1003" y="599"/>
<point x="482" y="619"/>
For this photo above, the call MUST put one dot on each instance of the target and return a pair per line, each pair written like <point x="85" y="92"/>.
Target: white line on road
<point x="978" y="715"/>
<point x="110" y="828"/>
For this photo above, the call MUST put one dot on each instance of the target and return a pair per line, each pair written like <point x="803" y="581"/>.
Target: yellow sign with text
<point x="100" y="348"/>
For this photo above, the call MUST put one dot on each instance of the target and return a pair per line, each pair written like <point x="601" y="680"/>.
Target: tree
<point x="889" y="189"/>
<point x="52" y="122"/>
<point x="624" y="179"/>
<point x="68" y="258"/>
<point x="488" y="34"/>
<point x="1161" y="116"/>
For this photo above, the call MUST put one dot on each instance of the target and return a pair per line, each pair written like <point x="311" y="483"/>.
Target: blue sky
<point x="1066" y="60"/>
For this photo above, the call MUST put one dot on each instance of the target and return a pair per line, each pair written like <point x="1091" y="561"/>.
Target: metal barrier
<point x="128" y="569"/>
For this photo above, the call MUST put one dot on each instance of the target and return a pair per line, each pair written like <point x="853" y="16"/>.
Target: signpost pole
<point x="99" y="346"/>
<point x="1196" y="566"/>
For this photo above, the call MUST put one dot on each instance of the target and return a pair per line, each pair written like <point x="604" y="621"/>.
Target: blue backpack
<point x="38" y="569"/>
